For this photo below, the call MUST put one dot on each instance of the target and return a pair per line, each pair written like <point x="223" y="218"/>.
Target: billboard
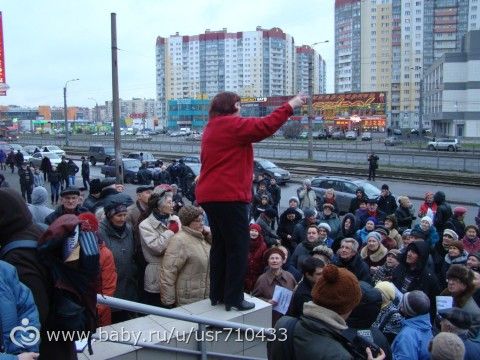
<point x="347" y="108"/>
<point x="2" y="59"/>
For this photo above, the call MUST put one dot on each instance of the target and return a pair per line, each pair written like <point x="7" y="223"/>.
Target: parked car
<point x="178" y="133"/>
<point x="345" y="189"/>
<point x="31" y="148"/>
<point x="53" y="148"/>
<point x="397" y="132"/>
<point x="303" y="135"/>
<point x="15" y="147"/>
<point x="351" y="135"/>
<point x="444" y="144"/>
<point x="148" y="157"/>
<point x="194" y="137"/>
<point x="366" y="136"/>
<point x="338" y="135"/>
<point x="130" y="169"/>
<point x="261" y="166"/>
<point x="190" y="159"/>
<point x="36" y="159"/>
<point x="392" y="141"/>
<point x="322" y="134"/>
<point x="100" y="153"/>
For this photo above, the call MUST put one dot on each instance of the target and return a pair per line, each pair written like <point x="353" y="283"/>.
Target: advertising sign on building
<point x="340" y="110"/>
<point x="3" y="90"/>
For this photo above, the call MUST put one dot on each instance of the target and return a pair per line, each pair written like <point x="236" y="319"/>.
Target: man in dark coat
<point x="444" y="212"/>
<point x="70" y="204"/>
<point x="16" y="224"/>
<point x="349" y="258"/>
<point x="300" y="230"/>
<point x="26" y="182"/>
<point x="360" y="196"/>
<point x="19" y="159"/>
<point x="372" y="211"/>
<point x="372" y="165"/>
<point x="85" y="172"/>
<point x="413" y="273"/>
<point x="46" y="167"/>
<point x="289" y="218"/>
<point x="386" y="202"/>
<point x="110" y="194"/>
<point x="312" y="269"/>
<point x="62" y="168"/>
<point x="276" y="193"/>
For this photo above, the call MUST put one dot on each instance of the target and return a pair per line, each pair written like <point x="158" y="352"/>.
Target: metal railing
<point x="202" y="322"/>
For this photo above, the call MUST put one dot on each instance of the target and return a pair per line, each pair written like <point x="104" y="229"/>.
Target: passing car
<point x="100" y="153"/>
<point x="31" y="148"/>
<point x="345" y="189"/>
<point x="143" y="137"/>
<point x="15" y="147"/>
<point x="194" y="137"/>
<point x="392" y="141"/>
<point x="366" y="136"/>
<point x="36" y="159"/>
<point x="53" y="148"/>
<point x="449" y="144"/>
<point x="130" y="169"/>
<point x="190" y="159"/>
<point x="148" y="157"/>
<point x="262" y="166"/>
<point x="351" y="135"/>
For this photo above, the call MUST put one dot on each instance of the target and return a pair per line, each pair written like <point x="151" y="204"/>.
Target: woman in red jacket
<point x="255" y="257"/>
<point x="224" y="189"/>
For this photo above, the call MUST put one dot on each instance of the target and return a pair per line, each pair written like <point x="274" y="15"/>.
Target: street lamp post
<point x="310" y="101"/>
<point x="65" y="109"/>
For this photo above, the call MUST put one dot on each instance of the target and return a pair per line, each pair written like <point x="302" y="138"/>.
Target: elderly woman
<point x="471" y="240"/>
<point x="328" y="198"/>
<point x="426" y="226"/>
<point x="389" y="319"/>
<point x="361" y="235"/>
<point x="461" y="287"/>
<point x="374" y="253"/>
<point x="455" y="255"/>
<point x="428" y="207"/>
<point x="156" y="232"/>
<point x="404" y="213"/>
<point x="118" y="237"/>
<point x="392" y="226"/>
<point x="265" y="285"/>
<point x="184" y="277"/>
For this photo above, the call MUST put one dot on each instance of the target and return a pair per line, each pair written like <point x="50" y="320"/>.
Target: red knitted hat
<point x="256" y="227"/>
<point x="89" y="221"/>
<point x="337" y="289"/>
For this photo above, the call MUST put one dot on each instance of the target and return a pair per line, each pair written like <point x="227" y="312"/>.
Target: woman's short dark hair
<point x="223" y="104"/>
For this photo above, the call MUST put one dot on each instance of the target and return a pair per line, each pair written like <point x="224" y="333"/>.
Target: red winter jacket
<point x="256" y="263"/>
<point x="108" y="283"/>
<point x="227" y="154"/>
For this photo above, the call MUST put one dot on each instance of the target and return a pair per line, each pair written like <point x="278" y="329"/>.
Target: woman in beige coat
<point x="156" y="231"/>
<point x="184" y="277"/>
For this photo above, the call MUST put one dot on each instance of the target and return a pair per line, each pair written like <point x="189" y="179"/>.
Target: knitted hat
<point x="323" y="250"/>
<point x="294" y="198"/>
<point x="256" y="227"/>
<point x="458" y="317"/>
<point x="414" y="303"/>
<point x="89" y="222"/>
<point x="114" y="208"/>
<point x="307" y="182"/>
<point x="375" y="235"/>
<point x="382" y="230"/>
<point x="337" y="289"/>
<point x="387" y="289"/>
<point x="476" y="255"/>
<point x="447" y="346"/>
<point x="372" y="219"/>
<point x="309" y="213"/>
<point x="189" y="213"/>
<point x="452" y="233"/>
<point x="406" y="232"/>
<point x="325" y="226"/>
<point x="459" y="210"/>
<point x="427" y="219"/>
<point x="95" y="186"/>
<point x="273" y="250"/>
<point x="462" y="273"/>
<point x="458" y="245"/>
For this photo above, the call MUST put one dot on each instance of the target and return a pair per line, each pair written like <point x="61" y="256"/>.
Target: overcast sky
<point x="48" y="42"/>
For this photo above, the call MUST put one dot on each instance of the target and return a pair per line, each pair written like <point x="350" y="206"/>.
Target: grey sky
<point x="48" y="42"/>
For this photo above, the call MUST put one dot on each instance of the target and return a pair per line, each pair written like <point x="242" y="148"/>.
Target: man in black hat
<point x="372" y="211"/>
<point x="92" y="199"/>
<point x="139" y="208"/>
<point x="265" y="221"/>
<point x="460" y="322"/>
<point x="112" y="192"/>
<point x="70" y="203"/>
<point x="386" y="201"/>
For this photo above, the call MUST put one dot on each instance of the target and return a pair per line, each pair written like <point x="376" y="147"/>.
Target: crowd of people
<point x="364" y="284"/>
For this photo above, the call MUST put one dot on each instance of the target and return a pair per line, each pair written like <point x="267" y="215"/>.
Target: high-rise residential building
<point x="135" y="108"/>
<point x="397" y="42"/>
<point x="310" y="71"/>
<point x="256" y="63"/>
<point x="347" y="46"/>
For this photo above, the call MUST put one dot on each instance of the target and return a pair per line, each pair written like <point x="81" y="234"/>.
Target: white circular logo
<point x="25" y="336"/>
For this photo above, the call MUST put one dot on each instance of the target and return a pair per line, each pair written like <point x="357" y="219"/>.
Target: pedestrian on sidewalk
<point x="11" y="160"/>
<point x="54" y="178"/>
<point x="3" y="159"/>
<point x="72" y="170"/>
<point x="26" y="182"/>
<point x="46" y="167"/>
<point x="85" y="173"/>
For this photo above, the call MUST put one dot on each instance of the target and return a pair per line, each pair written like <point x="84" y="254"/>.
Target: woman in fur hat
<point x="275" y="275"/>
<point x="461" y="287"/>
<point x="184" y="276"/>
<point x="156" y="232"/>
